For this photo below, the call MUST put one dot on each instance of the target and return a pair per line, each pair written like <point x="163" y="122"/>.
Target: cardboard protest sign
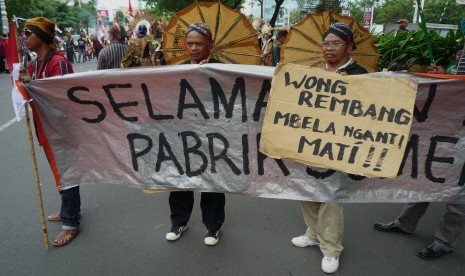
<point x="357" y="124"/>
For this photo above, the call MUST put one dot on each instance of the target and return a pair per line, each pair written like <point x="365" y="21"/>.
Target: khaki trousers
<point x="325" y="223"/>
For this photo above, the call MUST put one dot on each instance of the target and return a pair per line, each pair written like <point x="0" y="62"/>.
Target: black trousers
<point x="211" y="204"/>
<point x="2" y="64"/>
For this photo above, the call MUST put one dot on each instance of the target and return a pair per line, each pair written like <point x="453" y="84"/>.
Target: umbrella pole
<point x="36" y="177"/>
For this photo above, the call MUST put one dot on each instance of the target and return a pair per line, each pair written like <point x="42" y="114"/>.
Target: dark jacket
<point x="54" y="64"/>
<point x="212" y="60"/>
<point x="353" y="69"/>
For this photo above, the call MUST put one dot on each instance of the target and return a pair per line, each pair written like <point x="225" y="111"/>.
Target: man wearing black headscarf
<point x="325" y="221"/>
<point x="199" y="44"/>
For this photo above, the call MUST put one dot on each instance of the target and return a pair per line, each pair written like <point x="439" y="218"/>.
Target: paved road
<point x="123" y="229"/>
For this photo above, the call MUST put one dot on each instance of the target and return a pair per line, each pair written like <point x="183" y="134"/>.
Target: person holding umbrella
<point x="199" y="44"/>
<point x="325" y="221"/>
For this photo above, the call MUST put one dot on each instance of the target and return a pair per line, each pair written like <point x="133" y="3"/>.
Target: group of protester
<point x="324" y="220"/>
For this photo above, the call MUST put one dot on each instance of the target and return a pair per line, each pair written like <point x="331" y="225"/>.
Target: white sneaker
<point x="304" y="241"/>
<point x="212" y="237"/>
<point x="330" y="264"/>
<point x="175" y="232"/>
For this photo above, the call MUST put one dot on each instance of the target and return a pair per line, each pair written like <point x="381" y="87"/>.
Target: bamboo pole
<point x="36" y="177"/>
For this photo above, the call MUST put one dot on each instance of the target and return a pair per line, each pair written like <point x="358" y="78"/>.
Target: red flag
<point x="130" y="9"/>
<point x="57" y="29"/>
<point x="12" y="53"/>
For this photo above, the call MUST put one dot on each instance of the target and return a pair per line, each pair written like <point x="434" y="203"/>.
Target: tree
<point x="357" y="9"/>
<point x="67" y="16"/>
<point x="443" y="11"/>
<point x="435" y="11"/>
<point x="170" y="6"/>
<point x="32" y="8"/>
<point x="333" y="5"/>
<point x="392" y="10"/>
<point x="277" y="8"/>
<point x="295" y="16"/>
<point x="120" y="17"/>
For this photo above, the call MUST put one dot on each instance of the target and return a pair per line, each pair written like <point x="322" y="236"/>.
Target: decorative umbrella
<point x="235" y="40"/>
<point x="303" y="43"/>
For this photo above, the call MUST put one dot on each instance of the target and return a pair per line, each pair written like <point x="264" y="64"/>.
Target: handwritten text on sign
<point x="356" y="124"/>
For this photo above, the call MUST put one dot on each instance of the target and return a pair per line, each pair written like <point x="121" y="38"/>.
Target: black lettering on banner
<point x="148" y="101"/>
<point x="193" y="150"/>
<point x="412" y="146"/>
<point x="222" y="155"/>
<point x="185" y="86"/>
<point x="462" y="176"/>
<point x="100" y="117"/>
<point x="319" y="175"/>
<point x="261" y="158"/>
<point x="356" y="177"/>
<point x="218" y="95"/>
<point x="430" y="158"/>
<point x="117" y="106"/>
<point x="422" y="115"/>
<point x="162" y="145"/>
<point x="261" y="103"/>
<point x="245" y="154"/>
<point x="132" y="137"/>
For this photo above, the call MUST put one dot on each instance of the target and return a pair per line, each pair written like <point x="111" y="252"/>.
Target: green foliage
<point x="295" y="16"/>
<point x="332" y="5"/>
<point x="65" y="15"/>
<point x="392" y="10"/>
<point x="357" y="8"/>
<point x="410" y="48"/>
<point x="120" y="16"/>
<point x="443" y="11"/>
<point x="170" y="6"/>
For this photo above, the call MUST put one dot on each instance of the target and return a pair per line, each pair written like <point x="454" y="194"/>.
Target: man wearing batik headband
<point x="325" y="221"/>
<point x="199" y="43"/>
<point x="38" y="36"/>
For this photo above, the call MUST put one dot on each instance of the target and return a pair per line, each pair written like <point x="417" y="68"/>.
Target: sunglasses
<point x="27" y="33"/>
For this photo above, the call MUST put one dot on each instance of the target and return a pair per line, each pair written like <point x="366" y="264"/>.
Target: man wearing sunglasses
<point x="39" y="36"/>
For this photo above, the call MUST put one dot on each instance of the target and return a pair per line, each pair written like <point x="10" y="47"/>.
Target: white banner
<point x="198" y="127"/>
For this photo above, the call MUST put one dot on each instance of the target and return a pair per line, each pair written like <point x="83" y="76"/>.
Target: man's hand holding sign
<point x="356" y="124"/>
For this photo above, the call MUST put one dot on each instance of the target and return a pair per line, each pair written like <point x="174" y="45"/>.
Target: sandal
<point x="54" y="217"/>
<point x="65" y="237"/>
